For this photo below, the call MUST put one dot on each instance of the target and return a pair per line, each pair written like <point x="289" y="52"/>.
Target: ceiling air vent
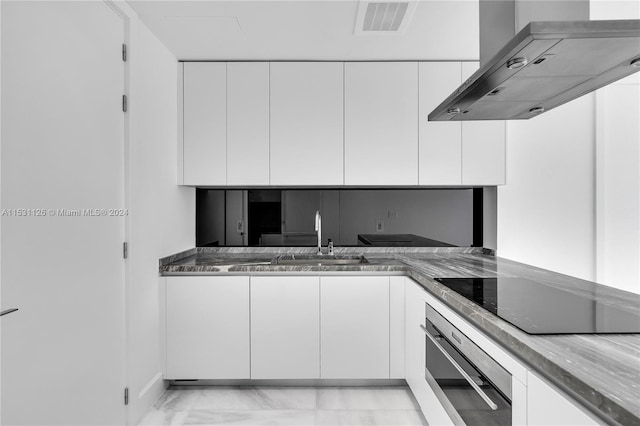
<point x="383" y="17"/>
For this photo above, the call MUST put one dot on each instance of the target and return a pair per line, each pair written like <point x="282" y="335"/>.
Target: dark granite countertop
<point x="600" y="371"/>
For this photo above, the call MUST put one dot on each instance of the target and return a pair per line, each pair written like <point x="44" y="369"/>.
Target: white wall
<point x="546" y="211"/>
<point x="162" y="214"/>
<point x="572" y="199"/>
<point x="618" y="168"/>
<point x="618" y="186"/>
<point x="490" y="218"/>
<point x="1" y="305"/>
<point x="614" y="9"/>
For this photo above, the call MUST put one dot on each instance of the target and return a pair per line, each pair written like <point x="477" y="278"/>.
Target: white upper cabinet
<point x="247" y="123"/>
<point x="381" y="113"/>
<point x="483" y="153"/>
<point x="457" y="152"/>
<point x="331" y="124"/>
<point x="440" y="141"/>
<point x="483" y="146"/>
<point x="205" y="123"/>
<point x="306" y="123"/>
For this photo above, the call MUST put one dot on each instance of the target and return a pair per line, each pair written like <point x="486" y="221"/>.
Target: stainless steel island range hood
<point x="545" y="65"/>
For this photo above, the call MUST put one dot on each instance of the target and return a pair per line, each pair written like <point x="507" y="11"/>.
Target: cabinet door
<point x="354" y="327"/>
<point x="207" y="322"/>
<point x="381" y="123"/>
<point x="285" y="327"/>
<point x="483" y="147"/>
<point x="204" y="123"/>
<point x="248" y="123"/>
<point x="440" y="141"/>
<point x="415" y="313"/>
<point x="431" y="406"/>
<point x="396" y="327"/>
<point x="546" y="406"/>
<point x="306" y="123"/>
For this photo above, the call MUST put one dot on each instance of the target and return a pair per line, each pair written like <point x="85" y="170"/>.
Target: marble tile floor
<point x="295" y="406"/>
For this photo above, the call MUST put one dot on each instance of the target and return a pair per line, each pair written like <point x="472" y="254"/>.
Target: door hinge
<point x="126" y="396"/>
<point x="124" y="52"/>
<point x="124" y="103"/>
<point x="125" y="250"/>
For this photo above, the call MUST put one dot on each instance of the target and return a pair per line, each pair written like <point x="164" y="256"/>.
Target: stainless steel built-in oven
<point x="473" y="388"/>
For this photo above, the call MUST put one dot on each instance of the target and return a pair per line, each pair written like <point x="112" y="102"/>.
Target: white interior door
<point x="63" y="352"/>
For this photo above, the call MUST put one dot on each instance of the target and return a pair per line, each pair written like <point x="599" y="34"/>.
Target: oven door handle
<point x="464" y="374"/>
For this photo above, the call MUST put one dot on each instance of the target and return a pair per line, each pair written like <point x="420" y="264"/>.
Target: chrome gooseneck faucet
<point x="319" y="231"/>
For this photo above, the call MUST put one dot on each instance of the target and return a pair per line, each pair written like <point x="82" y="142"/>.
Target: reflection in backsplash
<point x="350" y="217"/>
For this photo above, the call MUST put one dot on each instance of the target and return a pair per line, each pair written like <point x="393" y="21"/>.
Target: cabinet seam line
<point x="250" y="372"/>
<point x="270" y="125"/>
<point x="226" y="124"/>
<point x="344" y="141"/>
<point x="419" y="118"/>
<point x="183" y="126"/>
<point x="319" y="328"/>
<point x="389" y="299"/>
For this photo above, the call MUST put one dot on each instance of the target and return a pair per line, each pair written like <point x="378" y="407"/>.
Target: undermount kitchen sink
<point x="294" y="259"/>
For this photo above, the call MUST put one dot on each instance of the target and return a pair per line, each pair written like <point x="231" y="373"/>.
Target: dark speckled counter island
<point x="600" y="371"/>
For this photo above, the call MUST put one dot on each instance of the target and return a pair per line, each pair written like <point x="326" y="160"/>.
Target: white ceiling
<point x="307" y="30"/>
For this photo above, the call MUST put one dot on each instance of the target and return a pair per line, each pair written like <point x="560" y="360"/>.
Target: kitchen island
<point x="601" y="372"/>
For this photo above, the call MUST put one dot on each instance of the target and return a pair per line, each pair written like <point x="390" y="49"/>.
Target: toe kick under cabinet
<point x="284" y="327"/>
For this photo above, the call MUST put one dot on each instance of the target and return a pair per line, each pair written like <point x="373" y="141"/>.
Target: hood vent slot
<point x="383" y="17"/>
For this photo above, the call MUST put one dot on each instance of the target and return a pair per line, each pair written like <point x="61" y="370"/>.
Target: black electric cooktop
<point x="538" y="308"/>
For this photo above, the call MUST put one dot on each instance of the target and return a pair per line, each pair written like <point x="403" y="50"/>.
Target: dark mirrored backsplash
<point x="350" y="217"/>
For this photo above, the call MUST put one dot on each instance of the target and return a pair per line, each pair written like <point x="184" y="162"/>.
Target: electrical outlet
<point x="392" y="214"/>
<point x="379" y="225"/>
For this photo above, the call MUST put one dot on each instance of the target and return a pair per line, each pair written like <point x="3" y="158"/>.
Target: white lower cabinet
<point x="426" y="395"/>
<point x="207" y="327"/>
<point x="547" y="407"/>
<point x="285" y="327"/>
<point x="354" y="327"/>
<point x="415" y="311"/>
<point x="396" y="327"/>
